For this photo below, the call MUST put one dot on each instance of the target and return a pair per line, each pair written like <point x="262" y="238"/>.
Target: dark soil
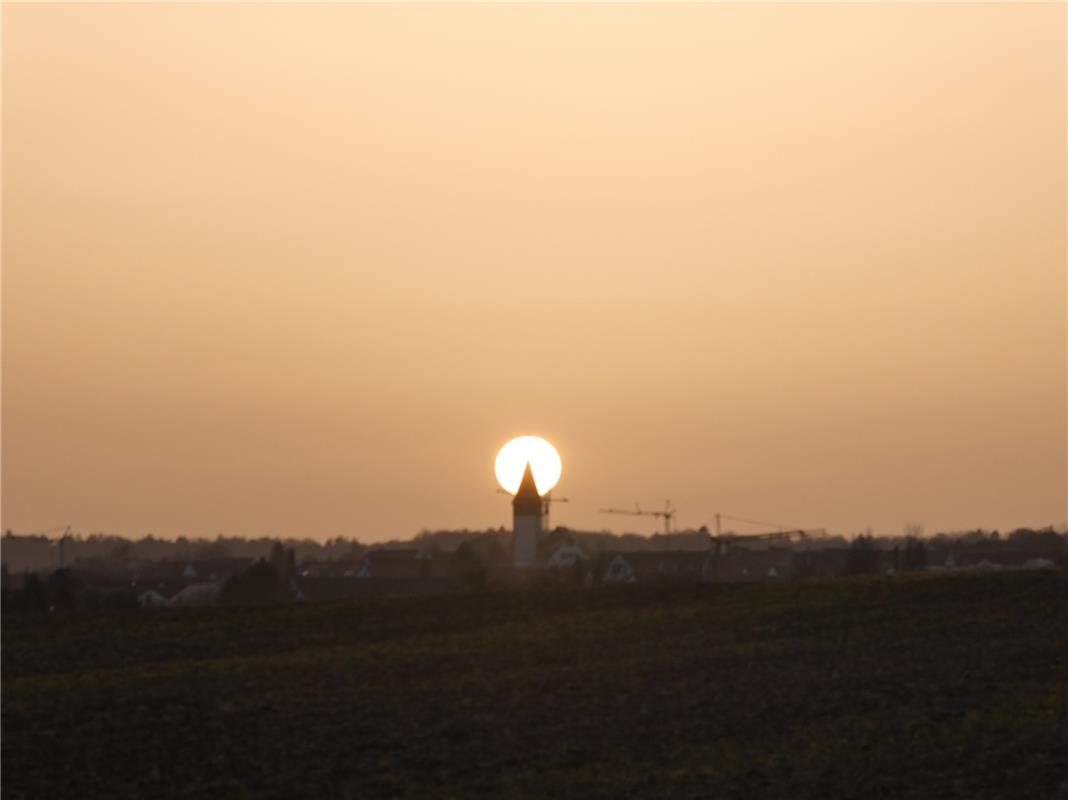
<point x="949" y="686"/>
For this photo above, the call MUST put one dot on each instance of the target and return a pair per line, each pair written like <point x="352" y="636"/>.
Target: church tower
<point x="526" y="524"/>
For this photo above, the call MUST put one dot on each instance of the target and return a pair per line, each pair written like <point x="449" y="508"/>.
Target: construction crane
<point x="64" y="528"/>
<point x="784" y="532"/>
<point x="667" y="515"/>
<point x="545" y="498"/>
<point x="788" y="529"/>
<point x="546" y="504"/>
<point x="60" y="542"/>
<point x="719" y="540"/>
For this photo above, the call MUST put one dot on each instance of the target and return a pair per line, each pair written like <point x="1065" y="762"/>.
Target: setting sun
<point x="513" y="458"/>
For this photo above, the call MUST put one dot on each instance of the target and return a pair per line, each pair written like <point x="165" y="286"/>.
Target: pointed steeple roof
<point x="527" y="500"/>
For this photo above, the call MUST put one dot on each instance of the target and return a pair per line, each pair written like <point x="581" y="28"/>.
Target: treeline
<point x="36" y="552"/>
<point x="32" y="552"/>
<point x="62" y="592"/>
<point x="867" y="554"/>
<point x="275" y="579"/>
<point x="1035" y="539"/>
<point x="269" y="580"/>
<point x="469" y="557"/>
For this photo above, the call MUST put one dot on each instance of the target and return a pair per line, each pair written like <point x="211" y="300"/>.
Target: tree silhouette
<point x="915" y="554"/>
<point x="62" y="590"/>
<point x="124" y="552"/>
<point x="284" y="561"/>
<point x="34" y="595"/>
<point x="466" y="567"/>
<point x="260" y="584"/>
<point x="863" y="558"/>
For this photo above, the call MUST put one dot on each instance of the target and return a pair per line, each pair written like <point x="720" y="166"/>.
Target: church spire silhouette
<point x="527" y="500"/>
<point x="527" y="520"/>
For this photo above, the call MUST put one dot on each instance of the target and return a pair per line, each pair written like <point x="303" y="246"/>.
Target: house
<point x="343" y="588"/>
<point x="151" y="599"/>
<point x="743" y="564"/>
<point x="402" y="562"/>
<point x="193" y="571"/>
<point x="1000" y="555"/>
<point x="826" y="563"/>
<point x="566" y="556"/>
<point x="1039" y="563"/>
<point x="219" y="569"/>
<point x="677" y="566"/>
<point x="616" y="569"/>
<point x="195" y="595"/>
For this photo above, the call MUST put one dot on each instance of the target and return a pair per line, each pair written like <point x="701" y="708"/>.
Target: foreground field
<point x="951" y="686"/>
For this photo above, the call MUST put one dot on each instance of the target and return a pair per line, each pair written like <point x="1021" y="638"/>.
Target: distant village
<point x="43" y="572"/>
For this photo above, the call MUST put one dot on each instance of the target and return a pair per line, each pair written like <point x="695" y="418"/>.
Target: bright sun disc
<point x="513" y="458"/>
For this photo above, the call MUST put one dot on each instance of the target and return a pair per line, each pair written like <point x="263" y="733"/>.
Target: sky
<point x="301" y="270"/>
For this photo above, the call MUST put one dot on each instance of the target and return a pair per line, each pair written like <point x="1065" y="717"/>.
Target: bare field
<point x="929" y="686"/>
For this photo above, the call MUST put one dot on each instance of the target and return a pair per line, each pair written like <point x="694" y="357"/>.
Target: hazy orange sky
<point x="301" y="270"/>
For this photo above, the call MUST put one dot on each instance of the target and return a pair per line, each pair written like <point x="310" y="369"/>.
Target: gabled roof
<point x="196" y="594"/>
<point x="657" y="564"/>
<point x="527" y="501"/>
<point x="403" y="562"/>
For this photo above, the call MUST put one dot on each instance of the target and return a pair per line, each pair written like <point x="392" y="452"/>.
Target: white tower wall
<point x="525" y="539"/>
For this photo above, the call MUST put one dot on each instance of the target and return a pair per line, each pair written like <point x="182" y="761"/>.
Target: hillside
<point x="930" y="686"/>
